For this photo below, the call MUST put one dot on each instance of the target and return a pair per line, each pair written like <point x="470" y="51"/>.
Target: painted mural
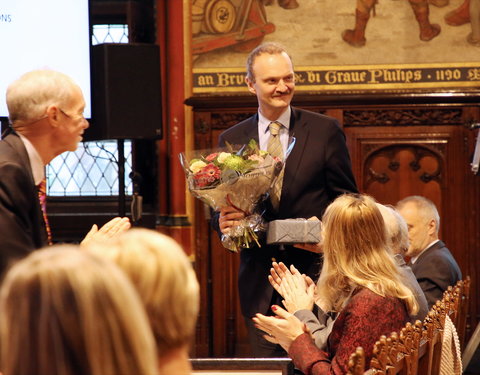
<point x="341" y="44"/>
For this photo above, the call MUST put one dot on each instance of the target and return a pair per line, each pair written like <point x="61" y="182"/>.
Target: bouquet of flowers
<point x="238" y="176"/>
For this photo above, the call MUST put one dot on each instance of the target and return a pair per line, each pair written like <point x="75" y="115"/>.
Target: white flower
<point x="256" y="158"/>
<point x="196" y="166"/>
<point x="223" y="155"/>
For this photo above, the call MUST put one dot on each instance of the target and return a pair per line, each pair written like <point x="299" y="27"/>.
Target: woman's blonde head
<point x="67" y="312"/>
<point x="164" y="278"/>
<point x="356" y="253"/>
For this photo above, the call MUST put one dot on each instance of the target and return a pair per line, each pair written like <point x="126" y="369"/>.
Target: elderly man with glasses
<point x="46" y="116"/>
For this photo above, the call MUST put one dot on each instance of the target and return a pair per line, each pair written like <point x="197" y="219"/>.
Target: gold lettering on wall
<point x="351" y="77"/>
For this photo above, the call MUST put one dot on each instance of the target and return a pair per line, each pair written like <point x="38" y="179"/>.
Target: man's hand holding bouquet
<point x="233" y="180"/>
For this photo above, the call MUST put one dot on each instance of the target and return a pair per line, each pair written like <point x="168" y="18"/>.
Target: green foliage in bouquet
<point x="208" y="170"/>
<point x="237" y="176"/>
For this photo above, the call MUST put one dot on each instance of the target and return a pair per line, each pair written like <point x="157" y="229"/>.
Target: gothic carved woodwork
<point x="219" y="121"/>
<point x="393" y="164"/>
<point x="223" y="121"/>
<point x="405" y="117"/>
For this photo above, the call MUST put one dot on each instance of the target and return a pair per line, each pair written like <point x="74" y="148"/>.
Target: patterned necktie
<point x="42" y="197"/>
<point x="275" y="149"/>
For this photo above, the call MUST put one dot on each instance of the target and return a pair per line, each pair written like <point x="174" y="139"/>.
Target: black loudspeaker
<point x="126" y="92"/>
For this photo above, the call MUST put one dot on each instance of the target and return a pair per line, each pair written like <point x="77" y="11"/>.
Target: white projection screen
<point x="44" y="34"/>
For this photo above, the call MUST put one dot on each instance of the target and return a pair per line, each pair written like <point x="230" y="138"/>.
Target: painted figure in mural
<point x="459" y="16"/>
<point x="241" y="24"/>
<point x="356" y="37"/>
<point x="439" y="3"/>
<point x="287" y="4"/>
<point x="474" y="36"/>
<point x="469" y="11"/>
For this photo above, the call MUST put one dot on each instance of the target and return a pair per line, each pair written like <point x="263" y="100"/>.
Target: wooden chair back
<point x="396" y="354"/>
<point x="417" y="348"/>
<point x="463" y="290"/>
<point x="432" y="334"/>
<point x="356" y="363"/>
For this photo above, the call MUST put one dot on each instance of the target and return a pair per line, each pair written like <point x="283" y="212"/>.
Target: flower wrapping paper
<point x="291" y="231"/>
<point x="238" y="176"/>
<point x="242" y="190"/>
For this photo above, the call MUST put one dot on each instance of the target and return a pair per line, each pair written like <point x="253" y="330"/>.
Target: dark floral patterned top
<point x="364" y="319"/>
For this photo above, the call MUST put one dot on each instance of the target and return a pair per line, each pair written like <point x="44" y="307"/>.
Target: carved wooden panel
<point x="386" y="169"/>
<point x="391" y="163"/>
<point x="403" y="117"/>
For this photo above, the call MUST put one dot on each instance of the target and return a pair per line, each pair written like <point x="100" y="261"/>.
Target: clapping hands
<point x="297" y="290"/>
<point x="281" y="329"/>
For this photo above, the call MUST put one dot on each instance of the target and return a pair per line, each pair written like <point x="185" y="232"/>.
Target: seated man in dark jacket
<point x="432" y="263"/>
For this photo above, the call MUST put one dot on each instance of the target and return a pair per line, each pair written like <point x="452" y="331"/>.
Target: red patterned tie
<point x="42" y="197"/>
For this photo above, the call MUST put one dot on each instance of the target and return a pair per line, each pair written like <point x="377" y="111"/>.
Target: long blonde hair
<point x="165" y="280"/>
<point x="66" y="312"/>
<point x="356" y="254"/>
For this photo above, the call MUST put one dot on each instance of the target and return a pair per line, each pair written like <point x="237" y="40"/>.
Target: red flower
<point x="211" y="157"/>
<point x="207" y="175"/>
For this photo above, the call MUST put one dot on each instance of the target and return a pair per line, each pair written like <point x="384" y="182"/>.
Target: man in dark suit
<point x="432" y="263"/>
<point x="317" y="170"/>
<point x="46" y="116"/>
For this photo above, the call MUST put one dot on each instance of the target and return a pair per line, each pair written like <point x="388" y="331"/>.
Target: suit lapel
<point x="251" y="131"/>
<point x="435" y="246"/>
<point x="300" y="131"/>
<point x="37" y="214"/>
<point x="16" y="143"/>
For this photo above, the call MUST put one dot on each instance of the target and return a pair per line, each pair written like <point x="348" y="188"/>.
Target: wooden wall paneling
<point x="221" y="308"/>
<point x="202" y="265"/>
<point x="392" y="161"/>
<point x="395" y="162"/>
<point x="225" y="300"/>
<point x="217" y="268"/>
<point x="230" y="326"/>
<point x="403" y="168"/>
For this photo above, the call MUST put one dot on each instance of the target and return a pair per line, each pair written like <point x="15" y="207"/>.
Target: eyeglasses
<point x="77" y="117"/>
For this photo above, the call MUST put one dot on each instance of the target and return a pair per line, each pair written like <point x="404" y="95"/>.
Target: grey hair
<point x="425" y="207"/>
<point x="29" y="96"/>
<point x="397" y="230"/>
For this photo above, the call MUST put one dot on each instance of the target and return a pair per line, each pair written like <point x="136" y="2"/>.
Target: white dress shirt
<point x="414" y="259"/>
